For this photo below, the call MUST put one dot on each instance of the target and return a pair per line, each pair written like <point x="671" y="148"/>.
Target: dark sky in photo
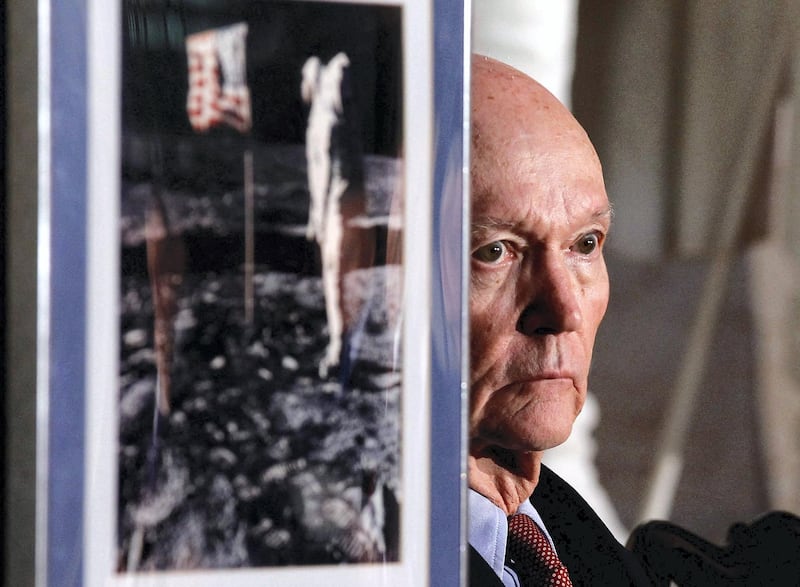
<point x="282" y="35"/>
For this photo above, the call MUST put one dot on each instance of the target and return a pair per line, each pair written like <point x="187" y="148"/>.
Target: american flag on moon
<point x="218" y="92"/>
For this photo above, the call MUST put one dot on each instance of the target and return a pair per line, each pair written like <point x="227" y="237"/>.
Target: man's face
<point x="539" y="286"/>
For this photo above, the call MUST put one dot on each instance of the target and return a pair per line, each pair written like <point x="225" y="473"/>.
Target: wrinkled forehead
<point x="553" y="158"/>
<point x="520" y="154"/>
<point x="525" y="179"/>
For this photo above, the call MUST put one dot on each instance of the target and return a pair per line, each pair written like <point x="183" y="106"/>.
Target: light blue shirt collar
<point x="488" y="531"/>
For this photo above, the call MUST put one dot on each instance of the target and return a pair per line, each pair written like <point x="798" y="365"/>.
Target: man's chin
<point x="542" y="443"/>
<point x="541" y="434"/>
<point x="522" y="441"/>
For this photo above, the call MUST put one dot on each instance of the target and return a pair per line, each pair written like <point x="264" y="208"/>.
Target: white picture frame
<point x="79" y="161"/>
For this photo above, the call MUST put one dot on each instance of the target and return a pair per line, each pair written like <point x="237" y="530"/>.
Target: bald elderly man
<point x="539" y="289"/>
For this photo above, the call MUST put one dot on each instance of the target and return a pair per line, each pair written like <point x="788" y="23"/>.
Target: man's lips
<point x="553" y="375"/>
<point x="549" y="375"/>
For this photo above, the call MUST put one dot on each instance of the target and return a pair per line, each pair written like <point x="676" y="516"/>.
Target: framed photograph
<point x="256" y="406"/>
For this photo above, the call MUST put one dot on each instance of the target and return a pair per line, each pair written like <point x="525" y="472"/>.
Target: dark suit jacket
<point x="586" y="546"/>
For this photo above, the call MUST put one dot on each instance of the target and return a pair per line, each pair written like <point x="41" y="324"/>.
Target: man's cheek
<point x="488" y="291"/>
<point x="483" y="318"/>
<point x="478" y="287"/>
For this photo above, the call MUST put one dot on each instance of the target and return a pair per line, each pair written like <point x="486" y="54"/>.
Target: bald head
<point x="509" y="106"/>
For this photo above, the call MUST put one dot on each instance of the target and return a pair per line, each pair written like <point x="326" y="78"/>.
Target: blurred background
<point x="695" y="390"/>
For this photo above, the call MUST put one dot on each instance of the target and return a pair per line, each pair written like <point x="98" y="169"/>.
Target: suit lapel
<point x="480" y="573"/>
<point x="584" y="543"/>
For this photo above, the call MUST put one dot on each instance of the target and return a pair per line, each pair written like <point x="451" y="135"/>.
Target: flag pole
<point x="217" y="57"/>
<point x="249" y="245"/>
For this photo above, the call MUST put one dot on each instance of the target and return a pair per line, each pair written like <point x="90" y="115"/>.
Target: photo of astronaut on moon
<point x="261" y="222"/>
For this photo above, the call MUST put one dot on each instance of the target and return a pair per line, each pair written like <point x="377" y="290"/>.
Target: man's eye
<point x="588" y="243"/>
<point x="491" y="253"/>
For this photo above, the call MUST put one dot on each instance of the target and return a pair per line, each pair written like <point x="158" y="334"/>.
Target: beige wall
<point x="682" y="100"/>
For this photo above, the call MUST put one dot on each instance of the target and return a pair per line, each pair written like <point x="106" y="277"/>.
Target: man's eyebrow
<point x="492" y="223"/>
<point x="607" y="212"/>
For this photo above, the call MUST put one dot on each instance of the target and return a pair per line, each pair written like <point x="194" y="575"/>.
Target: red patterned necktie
<point x="529" y="553"/>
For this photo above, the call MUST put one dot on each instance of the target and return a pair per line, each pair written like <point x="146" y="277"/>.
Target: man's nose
<point x="554" y="305"/>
